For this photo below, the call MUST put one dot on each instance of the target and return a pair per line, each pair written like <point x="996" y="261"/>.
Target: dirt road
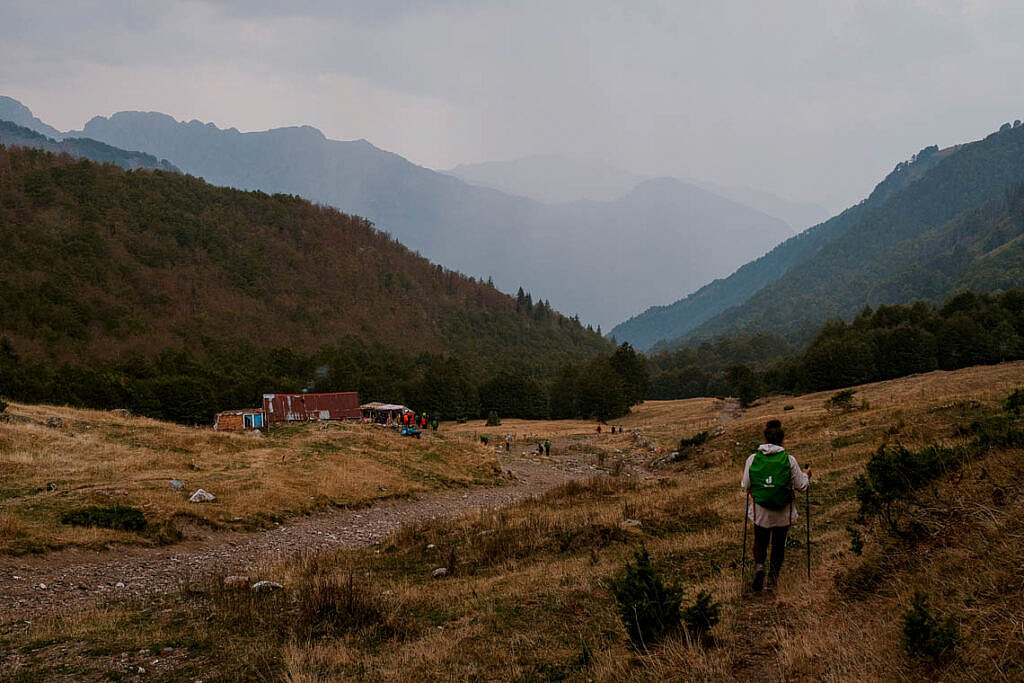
<point x="31" y="586"/>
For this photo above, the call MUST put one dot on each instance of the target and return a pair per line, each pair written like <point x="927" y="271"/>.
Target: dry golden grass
<point x="100" y="458"/>
<point x="527" y="599"/>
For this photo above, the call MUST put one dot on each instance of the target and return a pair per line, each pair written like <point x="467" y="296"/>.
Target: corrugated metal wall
<point x="302" y="407"/>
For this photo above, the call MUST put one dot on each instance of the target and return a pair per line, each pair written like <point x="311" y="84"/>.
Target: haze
<point x="812" y="103"/>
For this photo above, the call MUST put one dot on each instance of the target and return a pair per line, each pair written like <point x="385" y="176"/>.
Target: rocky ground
<point x="33" y="586"/>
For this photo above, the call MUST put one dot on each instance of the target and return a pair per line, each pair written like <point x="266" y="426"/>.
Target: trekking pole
<point x="807" y="496"/>
<point x="743" y="564"/>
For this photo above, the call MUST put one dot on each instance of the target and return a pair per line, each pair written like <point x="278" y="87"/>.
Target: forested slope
<point x="13" y="134"/>
<point x="110" y="276"/>
<point x="667" y="323"/>
<point x="942" y="231"/>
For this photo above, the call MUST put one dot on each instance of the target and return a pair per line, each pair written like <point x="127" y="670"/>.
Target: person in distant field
<point x="547" y="447"/>
<point x="484" y="439"/>
<point x="508" y="443"/>
<point x="540" y="448"/>
<point x="433" y="425"/>
<point x="770" y="478"/>
<point x="598" y="429"/>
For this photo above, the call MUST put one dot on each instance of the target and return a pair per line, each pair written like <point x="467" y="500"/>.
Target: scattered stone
<point x="632" y="523"/>
<point x="236" y="582"/>
<point x="431" y="546"/>
<point x="266" y="586"/>
<point x="440" y="572"/>
<point x="54" y="422"/>
<point x="119" y="584"/>
<point x="177" y="485"/>
<point x="140" y="670"/>
<point x="50" y="486"/>
<point x="201" y="496"/>
<point x="42" y="586"/>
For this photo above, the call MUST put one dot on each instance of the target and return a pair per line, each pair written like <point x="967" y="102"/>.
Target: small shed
<point x="383" y="413"/>
<point x="280" y="408"/>
<point x="239" y="420"/>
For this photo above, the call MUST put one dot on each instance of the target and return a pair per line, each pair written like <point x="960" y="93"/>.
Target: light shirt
<point x="764" y="517"/>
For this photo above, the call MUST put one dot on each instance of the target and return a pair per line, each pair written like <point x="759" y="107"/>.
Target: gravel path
<point x="35" y="585"/>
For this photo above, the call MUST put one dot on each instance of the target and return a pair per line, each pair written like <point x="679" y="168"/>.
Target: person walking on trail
<point x="547" y="447"/>
<point x="770" y="478"/>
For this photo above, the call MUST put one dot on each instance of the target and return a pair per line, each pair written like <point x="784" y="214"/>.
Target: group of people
<point x="613" y="428"/>
<point x="543" y="447"/>
<point x="420" y="421"/>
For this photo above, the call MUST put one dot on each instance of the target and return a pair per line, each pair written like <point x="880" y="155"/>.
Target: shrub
<point x="688" y="445"/>
<point x="841" y="401"/>
<point x="1014" y="402"/>
<point x="647" y="606"/>
<point x="702" y="616"/>
<point x="120" y="517"/>
<point x="3" y="405"/>
<point x="789" y="407"/>
<point x="924" y="635"/>
<point x="492" y="419"/>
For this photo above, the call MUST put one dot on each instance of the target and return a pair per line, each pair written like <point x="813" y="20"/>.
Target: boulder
<point x="266" y="586"/>
<point x="54" y="422"/>
<point x="440" y="572"/>
<point x="201" y="496"/>
<point x="177" y="485"/>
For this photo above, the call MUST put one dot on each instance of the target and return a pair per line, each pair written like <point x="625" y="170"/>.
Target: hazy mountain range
<point x="601" y="259"/>
<point x="557" y="180"/>
<point x="945" y="220"/>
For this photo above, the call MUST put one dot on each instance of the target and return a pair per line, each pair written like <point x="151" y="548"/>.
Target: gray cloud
<point x="814" y="101"/>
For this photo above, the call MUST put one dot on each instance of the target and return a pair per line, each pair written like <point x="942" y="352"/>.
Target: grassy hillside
<point x="103" y="459"/>
<point x="527" y="596"/>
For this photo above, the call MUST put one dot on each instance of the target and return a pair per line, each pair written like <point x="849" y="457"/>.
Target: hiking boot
<point x="772" y="583"/>
<point x="758" y="581"/>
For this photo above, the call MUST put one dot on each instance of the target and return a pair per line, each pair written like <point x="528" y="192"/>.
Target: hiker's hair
<point x="773" y="432"/>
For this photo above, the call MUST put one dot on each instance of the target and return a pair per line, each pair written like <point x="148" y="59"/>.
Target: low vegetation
<point x="528" y="594"/>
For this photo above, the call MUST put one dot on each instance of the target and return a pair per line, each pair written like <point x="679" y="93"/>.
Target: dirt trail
<point x="76" y="577"/>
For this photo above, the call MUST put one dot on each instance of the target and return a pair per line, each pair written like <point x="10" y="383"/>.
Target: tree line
<point x="878" y="344"/>
<point x="183" y="387"/>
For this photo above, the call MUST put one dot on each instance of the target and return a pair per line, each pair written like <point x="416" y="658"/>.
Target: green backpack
<point x="769" y="480"/>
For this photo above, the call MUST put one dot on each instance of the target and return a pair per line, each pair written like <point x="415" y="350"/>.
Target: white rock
<point x="440" y="571"/>
<point x="119" y="584"/>
<point x="42" y="586"/>
<point x="201" y="496"/>
<point x="177" y="485"/>
<point x="431" y="546"/>
<point x="266" y="586"/>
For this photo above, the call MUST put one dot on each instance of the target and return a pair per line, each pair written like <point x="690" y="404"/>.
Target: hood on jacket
<point x="769" y="449"/>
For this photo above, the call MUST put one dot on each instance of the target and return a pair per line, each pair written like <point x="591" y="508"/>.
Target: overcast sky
<point x="812" y="100"/>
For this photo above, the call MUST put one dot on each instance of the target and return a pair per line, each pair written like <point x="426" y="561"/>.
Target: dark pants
<point x="777" y="537"/>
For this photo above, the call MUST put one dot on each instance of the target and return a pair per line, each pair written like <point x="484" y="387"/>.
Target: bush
<point x="702" y="616"/>
<point x="1014" y="402"/>
<point x="647" y="606"/>
<point x="789" y="407"/>
<point x="3" y="405"/>
<point x="841" y="401"/>
<point x="120" y="517"/>
<point x="688" y="445"/>
<point x="924" y="635"/>
<point x="492" y="419"/>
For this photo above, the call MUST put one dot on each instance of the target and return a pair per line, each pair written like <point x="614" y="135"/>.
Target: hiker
<point x="508" y="443"/>
<point x="547" y="447"/>
<point x="483" y="439"/>
<point x="598" y="429"/>
<point x="770" y="478"/>
<point x="433" y="425"/>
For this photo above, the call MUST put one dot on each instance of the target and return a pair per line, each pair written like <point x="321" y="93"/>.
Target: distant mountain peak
<point x="14" y="111"/>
